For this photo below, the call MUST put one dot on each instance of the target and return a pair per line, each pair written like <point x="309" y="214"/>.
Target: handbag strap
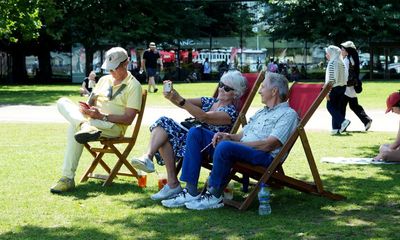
<point x="111" y="96"/>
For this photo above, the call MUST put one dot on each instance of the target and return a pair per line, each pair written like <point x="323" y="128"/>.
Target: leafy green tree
<point x="19" y="20"/>
<point x="333" y="21"/>
<point x="99" y="24"/>
<point x="22" y="30"/>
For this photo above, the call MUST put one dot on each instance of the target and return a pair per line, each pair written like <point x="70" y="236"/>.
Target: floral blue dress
<point x="177" y="134"/>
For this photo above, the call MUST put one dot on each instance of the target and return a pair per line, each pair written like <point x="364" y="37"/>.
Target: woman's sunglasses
<point x="226" y="88"/>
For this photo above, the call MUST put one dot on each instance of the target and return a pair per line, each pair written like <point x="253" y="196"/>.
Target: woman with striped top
<point x="336" y="73"/>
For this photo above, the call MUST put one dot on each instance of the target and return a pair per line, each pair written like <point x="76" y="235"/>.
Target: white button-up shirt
<point x="279" y="122"/>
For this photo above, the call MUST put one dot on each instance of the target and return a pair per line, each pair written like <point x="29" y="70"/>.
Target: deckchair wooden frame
<point x="274" y="173"/>
<point x="109" y="146"/>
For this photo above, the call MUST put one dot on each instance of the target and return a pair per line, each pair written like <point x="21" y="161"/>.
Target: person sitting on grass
<point x="258" y="143"/>
<point x="168" y="137"/>
<point x="112" y="107"/>
<point x="391" y="152"/>
<point x="88" y="84"/>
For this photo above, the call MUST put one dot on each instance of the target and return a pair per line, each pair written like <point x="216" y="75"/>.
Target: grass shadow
<point x="60" y="233"/>
<point x="33" y="97"/>
<point x="92" y="189"/>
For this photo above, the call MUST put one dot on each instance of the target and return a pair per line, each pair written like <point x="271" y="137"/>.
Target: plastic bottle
<point x="263" y="198"/>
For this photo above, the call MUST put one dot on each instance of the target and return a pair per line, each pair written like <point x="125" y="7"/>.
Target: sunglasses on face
<point x="226" y="88"/>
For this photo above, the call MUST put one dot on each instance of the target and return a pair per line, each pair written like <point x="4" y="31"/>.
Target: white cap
<point x="152" y="44"/>
<point x="348" y="44"/>
<point x="114" y="57"/>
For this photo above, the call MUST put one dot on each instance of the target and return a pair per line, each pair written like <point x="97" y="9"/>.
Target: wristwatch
<point x="182" y="102"/>
<point x="105" y="118"/>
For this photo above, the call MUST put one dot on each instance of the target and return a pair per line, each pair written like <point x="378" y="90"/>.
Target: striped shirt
<point x="336" y="73"/>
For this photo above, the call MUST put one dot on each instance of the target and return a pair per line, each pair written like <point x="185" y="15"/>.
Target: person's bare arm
<point x="396" y="143"/>
<point x="126" y="118"/>
<point x="193" y="106"/>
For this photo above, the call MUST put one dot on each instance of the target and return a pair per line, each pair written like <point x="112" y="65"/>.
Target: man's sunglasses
<point x="226" y="88"/>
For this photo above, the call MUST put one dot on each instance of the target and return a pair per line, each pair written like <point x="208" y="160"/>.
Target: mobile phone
<point x="85" y="105"/>
<point x="167" y="86"/>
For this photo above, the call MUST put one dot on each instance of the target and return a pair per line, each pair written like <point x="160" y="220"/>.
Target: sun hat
<point x="114" y="57"/>
<point x="392" y="100"/>
<point x="348" y="44"/>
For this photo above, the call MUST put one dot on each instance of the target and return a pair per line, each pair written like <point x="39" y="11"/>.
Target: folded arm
<point x="267" y="145"/>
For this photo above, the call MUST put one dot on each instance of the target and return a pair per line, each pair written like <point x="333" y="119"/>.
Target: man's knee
<point x="62" y="101"/>
<point x="225" y="148"/>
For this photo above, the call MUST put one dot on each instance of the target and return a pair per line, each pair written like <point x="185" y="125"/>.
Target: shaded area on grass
<point x="94" y="188"/>
<point x="61" y="233"/>
<point x="33" y="97"/>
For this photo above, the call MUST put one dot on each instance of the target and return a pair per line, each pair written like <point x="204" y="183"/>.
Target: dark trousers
<point x="224" y="156"/>
<point x="356" y="108"/>
<point x="335" y="106"/>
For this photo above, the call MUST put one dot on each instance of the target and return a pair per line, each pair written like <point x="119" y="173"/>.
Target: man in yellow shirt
<point x="112" y="106"/>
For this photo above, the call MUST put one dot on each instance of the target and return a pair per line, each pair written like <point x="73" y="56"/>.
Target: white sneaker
<point x="180" y="200"/>
<point x="368" y="125"/>
<point x="344" y="126"/>
<point x="335" y="132"/>
<point x="143" y="163"/>
<point x="206" y="201"/>
<point x="166" y="192"/>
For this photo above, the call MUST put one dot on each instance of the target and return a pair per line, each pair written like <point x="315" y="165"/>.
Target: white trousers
<point x="70" y="111"/>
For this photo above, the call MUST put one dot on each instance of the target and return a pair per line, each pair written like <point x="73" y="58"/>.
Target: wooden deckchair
<point x="253" y="83"/>
<point x="305" y="99"/>
<point x="109" y="146"/>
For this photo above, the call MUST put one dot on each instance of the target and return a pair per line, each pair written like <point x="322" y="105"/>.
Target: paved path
<point x="321" y="120"/>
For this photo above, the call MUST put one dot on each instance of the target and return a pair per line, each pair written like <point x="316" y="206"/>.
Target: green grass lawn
<point x="31" y="158"/>
<point x="373" y="96"/>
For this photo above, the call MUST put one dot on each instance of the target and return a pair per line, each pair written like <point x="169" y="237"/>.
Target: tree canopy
<point x="19" y="20"/>
<point x="334" y="20"/>
<point x="40" y="26"/>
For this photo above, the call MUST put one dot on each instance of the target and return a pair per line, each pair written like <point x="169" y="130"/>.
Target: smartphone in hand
<point x="167" y="84"/>
<point x="84" y="105"/>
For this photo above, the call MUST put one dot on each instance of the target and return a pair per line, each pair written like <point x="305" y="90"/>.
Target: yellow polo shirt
<point x="129" y="97"/>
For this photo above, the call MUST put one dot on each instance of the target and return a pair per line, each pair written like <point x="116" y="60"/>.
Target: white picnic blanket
<point x="353" y="160"/>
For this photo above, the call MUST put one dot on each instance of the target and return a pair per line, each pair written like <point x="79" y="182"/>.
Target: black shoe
<point x="87" y="133"/>
<point x="155" y="90"/>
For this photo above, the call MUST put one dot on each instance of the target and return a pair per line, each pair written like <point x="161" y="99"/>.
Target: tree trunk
<point x="89" y="50"/>
<point x="45" y="72"/>
<point x="19" y="74"/>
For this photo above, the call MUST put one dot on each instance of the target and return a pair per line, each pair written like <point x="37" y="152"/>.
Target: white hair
<point x="235" y="80"/>
<point x="279" y="81"/>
